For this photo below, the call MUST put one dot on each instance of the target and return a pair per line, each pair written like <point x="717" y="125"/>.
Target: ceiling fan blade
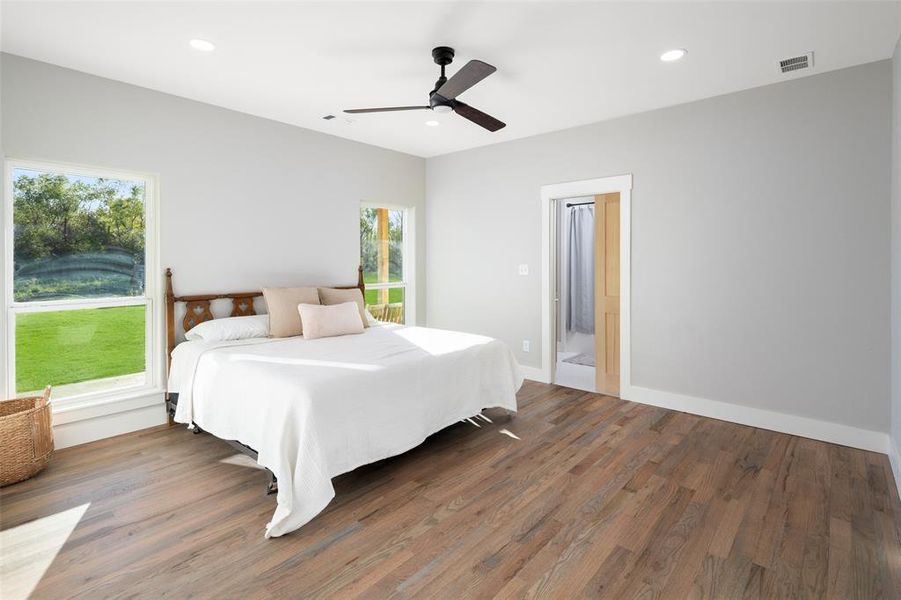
<point x="355" y="111"/>
<point x="472" y="72"/>
<point x="478" y="117"/>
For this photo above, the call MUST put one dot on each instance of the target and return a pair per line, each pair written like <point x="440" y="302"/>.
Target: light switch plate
<point x="523" y="269"/>
<point x="526" y="345"/>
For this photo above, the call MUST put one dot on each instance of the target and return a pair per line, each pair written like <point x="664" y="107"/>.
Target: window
<point x="79" y="302"/>
<point x="385" y="256"/>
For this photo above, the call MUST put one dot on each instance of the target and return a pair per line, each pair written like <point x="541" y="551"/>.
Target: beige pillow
<point x="329" y="296"/>
<point x="326" y="321"/>
<point x="281" y="304"/>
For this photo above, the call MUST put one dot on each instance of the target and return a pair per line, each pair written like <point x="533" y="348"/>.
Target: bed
<point x="310" y="410"/>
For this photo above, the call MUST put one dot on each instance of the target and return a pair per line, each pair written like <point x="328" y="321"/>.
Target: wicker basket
<point x="26" y="437"/>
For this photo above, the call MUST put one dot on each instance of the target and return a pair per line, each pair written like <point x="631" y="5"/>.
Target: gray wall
<point x="760" y="255"/>
<point x="244" y="201"/>
<point x="760" y="221"/>
<point x="896" y="249"/>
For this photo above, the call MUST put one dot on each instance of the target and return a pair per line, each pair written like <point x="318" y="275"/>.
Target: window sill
<point x="78" y="409"/>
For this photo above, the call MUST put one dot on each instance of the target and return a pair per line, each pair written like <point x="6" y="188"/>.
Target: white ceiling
<point x="559" y="64"/>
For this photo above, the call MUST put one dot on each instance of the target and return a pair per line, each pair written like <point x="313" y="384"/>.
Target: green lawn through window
<point x="72" y="346"/>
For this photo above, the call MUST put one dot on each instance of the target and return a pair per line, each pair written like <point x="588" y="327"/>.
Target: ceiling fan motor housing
<point x="439" y="103"/>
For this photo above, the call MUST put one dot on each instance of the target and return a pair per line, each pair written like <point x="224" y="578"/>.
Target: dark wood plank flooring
<point x="579" y="495"/>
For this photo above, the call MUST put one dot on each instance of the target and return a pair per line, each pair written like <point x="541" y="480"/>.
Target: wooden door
<point x="606" y="292"/>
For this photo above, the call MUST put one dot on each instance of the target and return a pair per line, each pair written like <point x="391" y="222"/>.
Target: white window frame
<point x="408" y="283"/>
<point x="153" y="340"/>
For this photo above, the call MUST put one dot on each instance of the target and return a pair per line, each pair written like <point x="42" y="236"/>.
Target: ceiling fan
<point x="443" y="98"/>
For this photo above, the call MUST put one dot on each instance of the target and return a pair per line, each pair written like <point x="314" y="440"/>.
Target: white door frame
<point x="572" y="189"/>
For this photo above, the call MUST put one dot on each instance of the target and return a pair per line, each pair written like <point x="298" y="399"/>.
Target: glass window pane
<point x="382" y="244"/>
<point x="76" y="236"/>
<point x="80" y="351"/>
<point x="386" y="305"/>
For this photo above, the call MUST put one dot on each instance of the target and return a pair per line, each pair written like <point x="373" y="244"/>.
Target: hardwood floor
<point x="579" y="495"/>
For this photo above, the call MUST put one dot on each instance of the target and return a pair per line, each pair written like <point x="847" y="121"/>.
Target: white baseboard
<point x="895" y="459"/>
<point x="836" y="433"/>
<point x="97" y="428"/>
<point x="534" y="374"/>
<point x="75" y="424"/>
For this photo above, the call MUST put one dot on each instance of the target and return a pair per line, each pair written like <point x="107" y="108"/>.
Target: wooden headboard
<point x="197" y="306"/>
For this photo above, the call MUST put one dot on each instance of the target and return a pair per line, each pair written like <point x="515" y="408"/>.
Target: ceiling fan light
<point x="442" y="108"/>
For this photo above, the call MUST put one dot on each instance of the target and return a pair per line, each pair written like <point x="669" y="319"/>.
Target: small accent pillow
<point x="281" y="304"/>
<point x="329" y="296"/>
<point x="326" y="321"/>
<point x="231" y="328"/>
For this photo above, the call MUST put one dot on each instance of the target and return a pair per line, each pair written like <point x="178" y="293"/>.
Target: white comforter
<point x="314" y="409"/>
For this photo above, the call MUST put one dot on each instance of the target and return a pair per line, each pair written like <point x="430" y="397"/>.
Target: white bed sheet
<point x="314" y="409"/>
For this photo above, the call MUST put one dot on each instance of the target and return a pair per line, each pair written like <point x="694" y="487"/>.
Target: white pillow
<point x="326" y="320"/>
<point x="231" y="328"/>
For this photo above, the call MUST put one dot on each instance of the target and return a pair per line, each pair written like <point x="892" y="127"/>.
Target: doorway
<point x="585" y="284"/>
<point x="576" y="256"/>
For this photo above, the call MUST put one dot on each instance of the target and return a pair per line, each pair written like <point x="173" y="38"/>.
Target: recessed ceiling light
<point x="202" y="45"/>
<point x="432" y="123"/>
<point x="671" y="55"/>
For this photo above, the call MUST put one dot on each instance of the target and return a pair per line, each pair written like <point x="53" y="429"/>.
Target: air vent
<point x="796" y="63"/>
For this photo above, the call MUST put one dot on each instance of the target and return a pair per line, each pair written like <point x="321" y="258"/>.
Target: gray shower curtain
<point x="580" y="313"/>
